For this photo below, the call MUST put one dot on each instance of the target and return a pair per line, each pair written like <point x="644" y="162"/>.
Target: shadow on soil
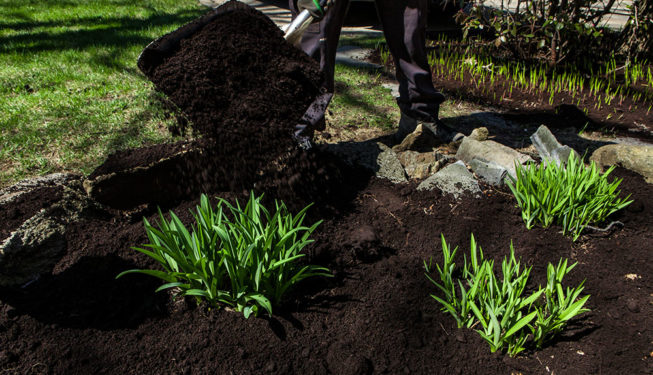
<point x="87" y="295"/>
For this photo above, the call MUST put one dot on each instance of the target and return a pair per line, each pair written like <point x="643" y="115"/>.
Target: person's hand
<point x="317" y="8"/>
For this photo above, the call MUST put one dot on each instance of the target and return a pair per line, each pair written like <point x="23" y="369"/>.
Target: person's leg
<point x="320" y="41"/>
<point x="404" y="27"/>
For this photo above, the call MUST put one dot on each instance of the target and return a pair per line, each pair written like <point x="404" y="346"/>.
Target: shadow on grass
<point x="95" y="32"/>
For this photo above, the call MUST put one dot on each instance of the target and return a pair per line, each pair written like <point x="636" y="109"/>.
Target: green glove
<point x="314" y="7"/>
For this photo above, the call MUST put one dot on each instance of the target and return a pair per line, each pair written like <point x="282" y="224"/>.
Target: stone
<point x="632" y="305"/>
<point x="374" y="156"/>
<point x="491" y="152"/>
<point x="55" y="179"/>
<point x="420" y="139"/>
<point x="38" y="244"/>
<point x="453" y="179"/>
<point x="637" y="158"/>
<point x="479" y="134"/>
<point x="393" y="87"/>
<point x="492" y="173"/>
<point x="549" y="148"/>
<point x="418" y="165"/>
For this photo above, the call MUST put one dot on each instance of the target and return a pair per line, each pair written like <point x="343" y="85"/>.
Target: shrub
<point x="246" y="259"/>
<point x="509" y="319"/>
<point x="553" y="30"/>
<point x="572" y="196"/>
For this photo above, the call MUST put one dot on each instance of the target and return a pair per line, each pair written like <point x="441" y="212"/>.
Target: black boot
<point x="407" y="125"/>
<point x="442" y="132"/>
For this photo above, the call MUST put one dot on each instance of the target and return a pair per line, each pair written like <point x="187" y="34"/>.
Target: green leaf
<point x="575" y="309"/>
<point x="520" y="324"/>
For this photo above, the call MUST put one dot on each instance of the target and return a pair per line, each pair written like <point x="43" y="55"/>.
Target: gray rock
<point x="636" y="158"/>
<point x="492" y="173"/>
<point x="55" y="179"/>
<point x="453" y="179"/>
<point x="479" y="134"/>
<point x="549" y="148"/>
<point x="393" y="87"/>
<point x="418" y="165"/>
<point x="389" y="166"/>
<point x="38" y="244"/>
<point x="420" y="139"/>
<point x="375" y="156"/>
<point x="491" y="152"/>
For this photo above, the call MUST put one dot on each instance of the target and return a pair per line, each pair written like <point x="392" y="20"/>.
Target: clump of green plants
<point x="572" y="195"/>
<point x="509" y="318"/>
<point x="245" y="258"/>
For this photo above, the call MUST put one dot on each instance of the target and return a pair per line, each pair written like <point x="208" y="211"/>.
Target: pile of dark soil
<point x="243" y="88"/>
<point x="374" y="316"/>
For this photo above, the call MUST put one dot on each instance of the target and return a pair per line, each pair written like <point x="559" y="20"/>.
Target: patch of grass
<point x="361" y="40"/>
<point x="361" y="101"/>
<point x="507" y="318"/>
<point x="70" y="91"/>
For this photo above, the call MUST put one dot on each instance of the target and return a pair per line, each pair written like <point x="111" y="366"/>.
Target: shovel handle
<point x="294" y="30"/>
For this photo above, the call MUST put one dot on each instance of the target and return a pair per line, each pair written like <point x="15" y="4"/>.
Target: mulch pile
<point x="375" y="316"/>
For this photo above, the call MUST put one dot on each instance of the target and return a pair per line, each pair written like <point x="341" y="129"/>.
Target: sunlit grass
<point x="361" y="101"/>
<point x="70" y="91"/>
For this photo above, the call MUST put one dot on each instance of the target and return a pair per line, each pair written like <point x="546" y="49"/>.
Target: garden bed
<point x="375" y="316"/>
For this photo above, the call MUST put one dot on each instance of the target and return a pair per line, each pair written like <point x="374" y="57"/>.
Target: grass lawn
<point x="70" y="91"/>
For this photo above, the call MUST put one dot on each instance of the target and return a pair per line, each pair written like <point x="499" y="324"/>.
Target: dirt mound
<point x="244" y="87"/>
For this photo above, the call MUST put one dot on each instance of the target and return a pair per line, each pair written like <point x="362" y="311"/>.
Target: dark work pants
<point x="404" y="28"/>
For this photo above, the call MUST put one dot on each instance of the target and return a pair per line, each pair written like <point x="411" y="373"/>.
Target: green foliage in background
<point x="246" y="258"/>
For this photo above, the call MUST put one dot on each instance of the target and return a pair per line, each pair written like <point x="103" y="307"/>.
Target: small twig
<point x="445" y="331"/>
<point x="387" y="210"/>
<point x="596" y="229"/>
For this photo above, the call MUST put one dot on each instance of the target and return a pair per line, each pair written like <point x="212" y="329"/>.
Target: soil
<point x="374" y="316"/>
<point x="127" y="159"/>
<point x="627" y="118"/>
<point x="238" y="97"/>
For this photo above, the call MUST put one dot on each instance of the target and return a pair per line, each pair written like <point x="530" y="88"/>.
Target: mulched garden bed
<point x="374" y="316"/>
